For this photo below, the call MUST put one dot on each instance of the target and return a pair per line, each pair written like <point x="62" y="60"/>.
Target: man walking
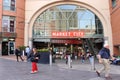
<point x="103" y="57"/>
<point x="27" y="50"/>
<point x="18" y="54"/>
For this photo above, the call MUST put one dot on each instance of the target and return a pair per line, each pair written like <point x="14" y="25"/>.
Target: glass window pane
<point x="9" y="5"/>
<point x="6" y="4"/>
<point x="8" y="24"/>
<point x="113" y="3"/>
<point x="5" y="24"/>
<point x="64" y="18"/>
<point x="13" y="5"/>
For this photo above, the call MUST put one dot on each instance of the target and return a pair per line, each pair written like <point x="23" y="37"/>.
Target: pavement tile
<point x="12" y="70"/>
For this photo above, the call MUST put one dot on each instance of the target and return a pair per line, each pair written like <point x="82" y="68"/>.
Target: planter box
<point x="44" y="57"/>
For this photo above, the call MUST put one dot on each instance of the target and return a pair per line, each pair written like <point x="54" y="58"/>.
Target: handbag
<point x="33" y="59"/>
<point x="19" y="53"/>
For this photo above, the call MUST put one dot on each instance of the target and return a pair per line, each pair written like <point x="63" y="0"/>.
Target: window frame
<point x="8" y="28"/>
<point x="114" y="3"/>
<point x="7" y="5"/>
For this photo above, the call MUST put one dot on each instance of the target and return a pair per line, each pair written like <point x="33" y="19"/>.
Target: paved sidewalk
<point x="12" y="70"/>
<point x="12" y="57"/>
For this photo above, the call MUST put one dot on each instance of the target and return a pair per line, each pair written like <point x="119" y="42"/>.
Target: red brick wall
<point x="115" y="18"/>
<point x="116" y="50"/>
<point x="20" y="19"/>
<point x="0" y="14"/>
<point x="20" y="22"/>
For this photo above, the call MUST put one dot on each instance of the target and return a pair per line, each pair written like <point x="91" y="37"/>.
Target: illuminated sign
<point x="67" y="34"/>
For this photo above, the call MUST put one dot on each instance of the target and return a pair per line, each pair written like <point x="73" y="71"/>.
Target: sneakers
<point x="98" y="73"/>
<point x="32" y="72"/>
<point x="108" y="78"/>
<point x="35" y="71"/>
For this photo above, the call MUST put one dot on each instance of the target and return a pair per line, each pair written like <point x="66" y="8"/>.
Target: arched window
<point x="65" y="18"/>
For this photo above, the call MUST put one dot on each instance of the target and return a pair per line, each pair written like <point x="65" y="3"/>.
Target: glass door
<point x="11" y="47"/>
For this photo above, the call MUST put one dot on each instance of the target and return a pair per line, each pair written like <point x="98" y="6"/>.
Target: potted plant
<point x="44" y="55"/>
<point x="43" y="50"/>
<point x="22" y="49"/>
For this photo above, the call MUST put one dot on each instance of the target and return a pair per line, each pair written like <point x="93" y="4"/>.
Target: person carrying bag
<point x="34" y="56"/>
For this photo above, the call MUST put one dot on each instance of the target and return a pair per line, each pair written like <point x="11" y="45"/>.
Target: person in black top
<point x="103" y="57"/>
<point x="34" y="56"/>
<point x="18" y="54"/>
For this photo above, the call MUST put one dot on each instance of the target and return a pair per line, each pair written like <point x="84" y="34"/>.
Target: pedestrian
<point x="104" y="57"/>
<point x="18" y="54"/>
<point x="67" y="54"/>
<point x="53" y="55"/>
<point x="83" y="58"/>
<point x="91" y="59"/>
<point x="34" y="56"/>
<point x="27" y="52"/>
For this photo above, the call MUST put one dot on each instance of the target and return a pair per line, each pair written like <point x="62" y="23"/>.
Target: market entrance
<point x="70" y="28"/>
<point x="77" y="47"/>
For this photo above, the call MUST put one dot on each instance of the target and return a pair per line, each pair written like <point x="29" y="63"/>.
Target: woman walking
<point x="34" y="59"/>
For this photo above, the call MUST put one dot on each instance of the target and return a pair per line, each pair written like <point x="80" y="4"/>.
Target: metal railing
<point x="8" y="29"/>
<point x="10" y="8"/>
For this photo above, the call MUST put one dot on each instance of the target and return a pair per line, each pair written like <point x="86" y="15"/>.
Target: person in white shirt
<point x="27" y="50"/>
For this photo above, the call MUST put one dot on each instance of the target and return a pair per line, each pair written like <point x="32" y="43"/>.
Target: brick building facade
<point x="17" y="19"/>
<point x="12" y="18"/>
<point x="115" y="18"/>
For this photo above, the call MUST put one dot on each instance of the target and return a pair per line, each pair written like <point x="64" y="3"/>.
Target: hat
<point x="106" y="45"/>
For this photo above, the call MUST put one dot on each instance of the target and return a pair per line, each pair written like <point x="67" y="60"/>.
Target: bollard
<point x="50" y="59"/>
<point x="23" y="53"/>
<point x="69" y="61"/>
<point x="94" y="62"/>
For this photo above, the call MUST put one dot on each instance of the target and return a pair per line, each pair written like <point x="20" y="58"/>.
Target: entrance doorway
<point x="4" y="48"/>
<point x="74" y="46"/>
<point x="11" y="47"/>
<point x="7" y="48"/>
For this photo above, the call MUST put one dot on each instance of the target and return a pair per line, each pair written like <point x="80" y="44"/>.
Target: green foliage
<point x="43" y="50"/>
<point x="22" y="48"/>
